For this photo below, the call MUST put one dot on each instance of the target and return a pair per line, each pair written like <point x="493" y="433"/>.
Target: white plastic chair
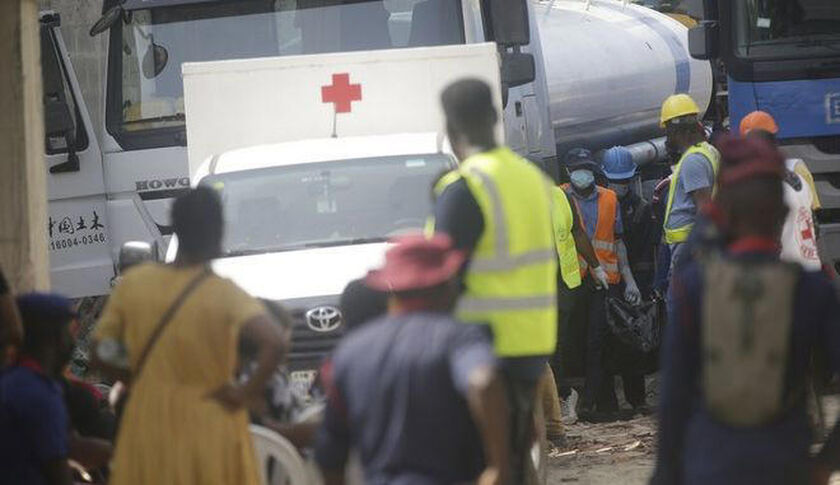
<point x="288" y="469"/>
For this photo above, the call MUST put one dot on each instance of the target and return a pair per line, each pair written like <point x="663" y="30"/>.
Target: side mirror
<point x="135" y="252"/>
<point x="517" y="69"/>
<point x="510" y="22"/>
<point x="703" y="41"/>
<point x="59" y="120"/>
<point x="154" y="60"/>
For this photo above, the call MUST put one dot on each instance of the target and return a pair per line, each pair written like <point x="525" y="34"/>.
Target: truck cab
<point x="783" y="57"/>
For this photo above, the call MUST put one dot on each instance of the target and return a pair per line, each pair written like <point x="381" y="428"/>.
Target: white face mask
<point x="582" y="179"/>
<point x="621" y="190"/>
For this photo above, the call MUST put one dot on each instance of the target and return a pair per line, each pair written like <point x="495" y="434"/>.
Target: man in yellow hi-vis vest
<point x="572" y="243"/>
<point x="497" y="207"/>
<point x="693" y="180"/>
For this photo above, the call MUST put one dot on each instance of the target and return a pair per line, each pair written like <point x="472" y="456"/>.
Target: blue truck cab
<point x="783" y="57"/>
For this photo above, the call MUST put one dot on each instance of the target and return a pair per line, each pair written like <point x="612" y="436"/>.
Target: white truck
<point x="571" y="73"/>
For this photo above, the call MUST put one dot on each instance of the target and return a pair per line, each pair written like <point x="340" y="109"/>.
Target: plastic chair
<point x="278" y="460"/>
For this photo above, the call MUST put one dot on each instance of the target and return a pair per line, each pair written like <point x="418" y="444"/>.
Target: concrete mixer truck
<point x="571" y="73"/>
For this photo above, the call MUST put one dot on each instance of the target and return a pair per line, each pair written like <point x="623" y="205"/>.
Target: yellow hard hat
<point x="676" y="106"/>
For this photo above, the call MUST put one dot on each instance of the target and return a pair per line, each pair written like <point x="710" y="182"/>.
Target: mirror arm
<point x="72" y="163"/>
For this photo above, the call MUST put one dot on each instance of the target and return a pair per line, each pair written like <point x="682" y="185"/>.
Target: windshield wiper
<point x="175" y="117"/>
<point x="344" y="242"/>
<point x="829" y="41"/>
<point x="304" y="245"/>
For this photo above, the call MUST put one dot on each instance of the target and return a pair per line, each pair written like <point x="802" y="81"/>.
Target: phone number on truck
<point x="68" y="243"/>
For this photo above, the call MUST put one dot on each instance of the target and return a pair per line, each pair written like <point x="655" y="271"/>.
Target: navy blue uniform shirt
<point x="694" y="448"/>
<point x="33" y="425"/>
<point x="397" y="394"/>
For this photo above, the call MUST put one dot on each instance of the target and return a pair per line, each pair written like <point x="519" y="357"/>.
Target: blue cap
<point x="618" y="164"/>
<point x="581" y="158"/>
<point x="45" y="308"/>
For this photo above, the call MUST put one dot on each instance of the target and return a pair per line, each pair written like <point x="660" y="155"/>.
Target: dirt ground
<point x="609" y="453"/>
<point x="624" y="452"/>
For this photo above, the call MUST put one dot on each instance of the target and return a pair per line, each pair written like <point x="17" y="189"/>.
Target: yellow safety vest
<point x="680" y="234"/>
<point x="564" y="241"/>
<point x="511" y="281"/>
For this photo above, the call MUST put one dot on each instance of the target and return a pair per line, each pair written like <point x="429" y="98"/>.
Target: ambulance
<point x="315" y="178"/>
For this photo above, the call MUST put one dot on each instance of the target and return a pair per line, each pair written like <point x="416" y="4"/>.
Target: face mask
<point x="621" y="190"/>
<point x="582" y="179"/>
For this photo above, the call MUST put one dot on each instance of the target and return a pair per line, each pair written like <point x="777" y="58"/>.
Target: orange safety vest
<point x="603" y="240"/>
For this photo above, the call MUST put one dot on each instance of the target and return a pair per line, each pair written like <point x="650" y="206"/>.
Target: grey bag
<point x="747" y="317"/>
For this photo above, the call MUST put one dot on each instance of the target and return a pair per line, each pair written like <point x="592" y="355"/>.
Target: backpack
<point x="747" y="315"/>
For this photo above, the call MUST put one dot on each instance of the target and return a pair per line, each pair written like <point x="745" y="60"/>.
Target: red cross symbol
<point x="807" y="233"/>
<point x="341" y="93"/>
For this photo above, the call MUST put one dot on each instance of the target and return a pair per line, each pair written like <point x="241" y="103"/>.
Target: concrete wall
<point x="87" y="53"/>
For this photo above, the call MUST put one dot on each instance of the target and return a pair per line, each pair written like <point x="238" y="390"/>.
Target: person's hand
<point x="230" y="396"/>
<point x="600" y="276"/>
<point x="632" y="293"/>
<point x="490" y="476"/>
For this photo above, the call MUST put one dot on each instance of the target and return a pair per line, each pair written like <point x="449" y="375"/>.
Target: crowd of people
<point x="461" y="346"/>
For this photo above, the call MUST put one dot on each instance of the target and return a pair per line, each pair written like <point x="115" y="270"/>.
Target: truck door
<point x="80" y="249"/>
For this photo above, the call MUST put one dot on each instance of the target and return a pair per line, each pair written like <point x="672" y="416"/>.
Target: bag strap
<point x="167" y="317"/>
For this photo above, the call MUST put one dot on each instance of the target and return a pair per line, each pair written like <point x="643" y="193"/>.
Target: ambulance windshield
<point x="145" y="87"/>
<point x="326" y="204"/>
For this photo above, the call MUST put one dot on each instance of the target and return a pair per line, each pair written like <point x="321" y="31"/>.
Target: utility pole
<point x="23" y="196"/>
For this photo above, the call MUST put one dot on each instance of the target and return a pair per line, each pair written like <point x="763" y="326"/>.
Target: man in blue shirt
<point x="415" y="392"/>
<point x="34" y="425"/>
<point x="600" y="215"/>
<point x="708" y="427"/>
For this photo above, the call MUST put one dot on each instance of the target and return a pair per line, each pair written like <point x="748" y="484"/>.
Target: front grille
<point x="309" y="348"/>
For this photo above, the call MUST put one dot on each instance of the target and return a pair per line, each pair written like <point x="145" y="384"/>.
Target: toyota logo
<point x="323" y="319"/>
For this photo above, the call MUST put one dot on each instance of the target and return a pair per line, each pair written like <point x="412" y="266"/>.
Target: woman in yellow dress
<point x="185" y="420"/>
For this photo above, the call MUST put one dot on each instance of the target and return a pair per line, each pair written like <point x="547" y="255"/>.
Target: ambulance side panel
<point x="274" y="100"/>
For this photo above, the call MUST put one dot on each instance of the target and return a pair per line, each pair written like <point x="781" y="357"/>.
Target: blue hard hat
<point x="618" y="164"/>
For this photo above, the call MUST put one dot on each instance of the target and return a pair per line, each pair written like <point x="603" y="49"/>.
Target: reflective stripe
<point x="500" y="237"/>
<point x="678" y="235"/>
<point x="470" y="304"/>
<point x="503" y="260"/>
<point x="603" y="245"/>
<point x="512" y="262"/>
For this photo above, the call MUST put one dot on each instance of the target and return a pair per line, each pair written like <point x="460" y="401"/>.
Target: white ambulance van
<point x="319" y="163"/>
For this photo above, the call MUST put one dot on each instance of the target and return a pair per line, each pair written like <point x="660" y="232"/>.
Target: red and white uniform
<point x="799" y="239"/>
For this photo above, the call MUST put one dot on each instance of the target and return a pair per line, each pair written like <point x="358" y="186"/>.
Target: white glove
<point x="632" y="293"/>
<point x="600" y="278"/>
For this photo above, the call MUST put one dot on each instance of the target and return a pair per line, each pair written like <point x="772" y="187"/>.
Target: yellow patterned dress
<point x="171" y="433"/>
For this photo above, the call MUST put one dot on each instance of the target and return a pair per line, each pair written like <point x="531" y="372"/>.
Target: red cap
<point x="758" y="120"/>
<point x="417" y="263"/>
<point x="747" y="158"/>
